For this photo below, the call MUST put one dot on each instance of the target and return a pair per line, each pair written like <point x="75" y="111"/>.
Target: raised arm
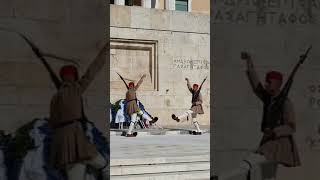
<point x="254" y="81"/>
<point x="93" y="68"/>
<point x="189" y="86"/>
<point x="140" y="82"/>
<point x="202" y="83"/>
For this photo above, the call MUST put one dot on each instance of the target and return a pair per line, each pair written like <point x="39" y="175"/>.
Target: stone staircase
<point x="161" y="168"/>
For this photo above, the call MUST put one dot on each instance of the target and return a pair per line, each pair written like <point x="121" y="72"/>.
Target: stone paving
<point x="159" y="146"/>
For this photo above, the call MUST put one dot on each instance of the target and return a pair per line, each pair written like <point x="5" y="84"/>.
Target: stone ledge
<point x="160" y="168"/>
<point x="164" y="176"/>
<point x="158" y="160"/>
<point x="151" y="132"/>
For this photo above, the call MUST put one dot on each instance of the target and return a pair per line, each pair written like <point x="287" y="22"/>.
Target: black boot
<point x="132" y="135"/>
<point x="174" y="117"/>
<point x="154" y="120"/>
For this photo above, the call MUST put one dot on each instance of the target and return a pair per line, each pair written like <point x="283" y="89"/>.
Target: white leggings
<point x="134" y="119"/>
<point x="186" y="115"/>
<point x="141" y="113"/>
<point x="190" y="114"/>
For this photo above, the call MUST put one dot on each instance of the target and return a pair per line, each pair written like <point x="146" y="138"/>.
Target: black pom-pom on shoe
<point x="174" y="117"/>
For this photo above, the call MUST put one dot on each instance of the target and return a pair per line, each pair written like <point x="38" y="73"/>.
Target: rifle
<point x="123" y="80"/>
<point x="287" y="86"/>
<point x="40" y="55"/>
<point x="34" y="47"/>
<point x="36" y="51"/>
<point x="280" y="100"/>
<point x="278" y="105"/>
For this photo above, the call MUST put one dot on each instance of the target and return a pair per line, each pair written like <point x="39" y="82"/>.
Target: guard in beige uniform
<point x="278" y="126"/>
<point x="132" y="108"/>
<point x="70" y="149"/>
<point x="196" y="107"/>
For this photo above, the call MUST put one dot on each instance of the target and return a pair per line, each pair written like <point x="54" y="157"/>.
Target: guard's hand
<point x="187" y="79"/>
<point x="144" y="76"/>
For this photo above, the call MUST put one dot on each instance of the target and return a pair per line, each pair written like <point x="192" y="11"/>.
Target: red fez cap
<point x="195" y="85"/>
<point x="131" y="84"/>
<point x="67" y="70"/>
<point x="274" y="75"/>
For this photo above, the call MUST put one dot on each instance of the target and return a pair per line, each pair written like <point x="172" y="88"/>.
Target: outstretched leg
<point x="183" y="117"/>
<point x="145" y="116"/>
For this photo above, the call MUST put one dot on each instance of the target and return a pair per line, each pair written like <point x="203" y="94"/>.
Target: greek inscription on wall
<point x="190" y="64"/>
<point x="266" y="12"/>
<point x="314" y="98"/>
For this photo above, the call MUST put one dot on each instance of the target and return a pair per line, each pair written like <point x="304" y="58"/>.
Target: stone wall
<point x="167" y="46"/>
<point x="276" y="33"/>
<point x="201" y="6"/>
<point x="74" y="29"/>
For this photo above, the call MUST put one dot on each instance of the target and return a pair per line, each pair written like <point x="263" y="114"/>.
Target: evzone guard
<point x="196" y="107"/>
<point x="71" y="150"/>
<point x="278" y="123"/>
<point x="132" y="108"/>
